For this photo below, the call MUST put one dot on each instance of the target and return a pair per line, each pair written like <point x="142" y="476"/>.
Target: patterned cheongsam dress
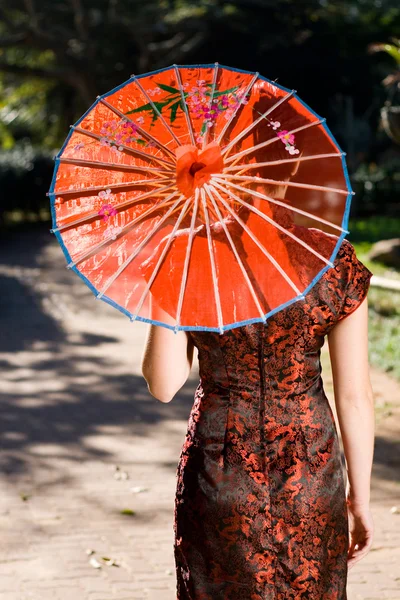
<point x="260" y="508"/>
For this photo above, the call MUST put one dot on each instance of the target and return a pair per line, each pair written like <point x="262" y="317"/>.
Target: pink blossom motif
<point x="78" y="146"/>
<point x="286" y="137"/>
<point x="115" y="133"/>
<point x="209" y="109"/>
<point x="154" y="92"/>
<point x="140" y="120"/>
<point x="289" y="140"/>
<point x="107" y="211"/>
<point x="275" y="124"/>
<point x="105" y="195"/>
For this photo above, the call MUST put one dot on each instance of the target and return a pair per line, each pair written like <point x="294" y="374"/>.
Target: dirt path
<point x="81" y="436"/>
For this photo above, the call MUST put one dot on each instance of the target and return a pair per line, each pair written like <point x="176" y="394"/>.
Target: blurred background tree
<point x="56" y="56"/>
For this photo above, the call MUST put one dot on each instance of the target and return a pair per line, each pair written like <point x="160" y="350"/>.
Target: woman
<point x="261" y="510"/>
<point x="240" y="534"/>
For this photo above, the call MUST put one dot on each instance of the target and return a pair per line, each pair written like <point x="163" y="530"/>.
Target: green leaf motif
<point x="168" y="88"/>
<point x="139" y="109"/>
<point x="174" y="94"/>
<point x="174" y="109"/>
<point x="223" y="93"/>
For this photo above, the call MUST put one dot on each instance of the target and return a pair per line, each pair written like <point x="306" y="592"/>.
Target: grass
<point x="384" y="350"/>
<point x="374" y="229"/>
<point x="384" y="305"/>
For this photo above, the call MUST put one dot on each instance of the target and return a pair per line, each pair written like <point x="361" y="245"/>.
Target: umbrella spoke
<point x="214" y="83"/>
<point x="154" y="107"/>
<point x="307" y="186"/>
<point x="124" y="230"/>
<point x="212" y="261"/>
<point x="127" y="149"/>
<point x="277" y="202"/>
<point x="257" y="241"/>
<point x="247" y="90"/>
<point x="142" y="132"/>
<point x="139" y="248"/>
<point x="275" y="224"/>
<point x="112" y="186"/>
<point x="184" y="105"/>
<point x="95" y="214"/>
<point x="118" y="166"/>
<point x="283" y="161"/>
<point x="235" y="252"/>
<point x="256" y="122"/>
<point x="161" y="258"/>
<point x="187" y="258"/>
<point x="271" y="141"/>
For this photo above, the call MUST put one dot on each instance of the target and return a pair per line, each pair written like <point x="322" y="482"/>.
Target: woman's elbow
<point x="164" y="392"/>
<point x="161" y="395"/>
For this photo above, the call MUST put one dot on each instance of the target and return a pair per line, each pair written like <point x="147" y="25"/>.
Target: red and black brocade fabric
<point x="260" y="510"/>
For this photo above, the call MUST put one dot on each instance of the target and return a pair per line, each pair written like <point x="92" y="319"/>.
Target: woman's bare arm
<point x="167" y="357"/>
<point x="354" y="400"/>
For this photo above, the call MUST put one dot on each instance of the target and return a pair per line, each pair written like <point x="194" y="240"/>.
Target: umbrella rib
<point x="214" y="83"/>
<point x="187" y="258"/>
<point x="121" y="167"/>
<point x="271" y="141"/>
<point x="161" y="258"/>
<point x="154" y="107"/>
<point x="124" y="230"/>
<point x="257" y="242"/>
<point x="112" y="186"/>
<point x="275" y="224"/>
<point x="256" y="122"/>
<point x="286" y="160"/>
<point x="142" y="132"/>
<point x="212" y="261"/>
<point x="277" y="202"/>
<point x="94" y="214"/>
<point x="235" y="252"/>
<point x="247" y="90"/>
<point x="308" y="186"/>
<point x="139" y="248"/>
<point x="126" y="148"/>
<point x="184" y="105"/>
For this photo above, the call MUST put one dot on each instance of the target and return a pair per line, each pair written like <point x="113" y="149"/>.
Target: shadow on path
<point x="58" y="389"/>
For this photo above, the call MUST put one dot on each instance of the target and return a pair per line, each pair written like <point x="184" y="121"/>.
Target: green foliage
<point x="373" y="229"/>
<point x="384" y="349"/>
<point x="25" y="175"/>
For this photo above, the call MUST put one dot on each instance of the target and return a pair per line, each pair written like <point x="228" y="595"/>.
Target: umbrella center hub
<point x="196" y="166"/>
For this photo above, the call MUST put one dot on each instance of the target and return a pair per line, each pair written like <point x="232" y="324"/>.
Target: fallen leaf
<point x="95" y="563"/>
<point x="110" y="562"/>
<point x="138" y="489"/>
<point x="127" y="511"/>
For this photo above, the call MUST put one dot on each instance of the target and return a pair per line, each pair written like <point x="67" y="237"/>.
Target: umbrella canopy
<point x="210" y="195"/>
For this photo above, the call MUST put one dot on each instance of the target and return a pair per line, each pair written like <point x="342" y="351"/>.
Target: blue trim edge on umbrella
<point x="228" y="326"/>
